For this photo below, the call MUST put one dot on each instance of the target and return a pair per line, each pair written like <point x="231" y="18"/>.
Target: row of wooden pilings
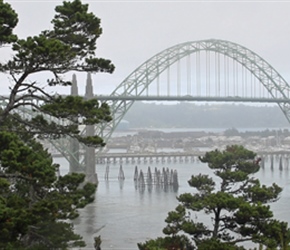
<point x="164" y="179"/>
<point x="282" y="159"/>
<point x="161" y="179"/>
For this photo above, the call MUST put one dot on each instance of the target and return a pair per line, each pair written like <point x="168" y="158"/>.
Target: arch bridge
<point x="209" y="70"/>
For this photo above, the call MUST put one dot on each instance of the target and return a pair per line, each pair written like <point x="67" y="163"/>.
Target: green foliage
<point x="33" y="201"/>
<point x="75" y="15"/>
<point x="69" y="46"/>
<point x="8" y="20"/>
<point x="167" y="243"/>
<point x="75" y="107"/>
<point x="36" y="206"/>
<point x="237" y="206"/>
<point x="215" y="244"/>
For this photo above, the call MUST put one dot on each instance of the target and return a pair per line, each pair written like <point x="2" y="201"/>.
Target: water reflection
<point x="125" y="213"/>
<point x="121" y="184"/>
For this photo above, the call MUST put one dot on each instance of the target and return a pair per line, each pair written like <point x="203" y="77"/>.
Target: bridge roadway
<point x="3" y="99"/>
<point x="162" y="157"/>
<point x="148" y="157"/>
<point x="191" y="98"/>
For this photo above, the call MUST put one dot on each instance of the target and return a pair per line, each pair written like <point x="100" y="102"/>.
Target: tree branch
<point x="40" y="237"/>
<point x="13" y="95"/>
<point x="16" y="175"/>
<point x="241" y="240"/>
<point x="26" y="104"/>
<point x="241" y="187"/>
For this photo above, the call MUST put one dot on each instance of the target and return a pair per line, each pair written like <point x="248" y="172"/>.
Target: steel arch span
<point x="139" y="80"/>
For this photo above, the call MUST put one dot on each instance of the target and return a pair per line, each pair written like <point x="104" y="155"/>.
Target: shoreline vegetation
<point x="192" y="115"/>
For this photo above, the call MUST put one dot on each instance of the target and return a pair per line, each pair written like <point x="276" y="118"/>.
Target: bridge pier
<point x="90" y="157"/>
<point x="89" y="154"/>
<point x="74" y="158"/>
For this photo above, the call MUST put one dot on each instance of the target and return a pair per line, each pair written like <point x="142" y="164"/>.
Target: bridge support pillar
<point x="74" y="161"/>
<point x="90" y="156"/>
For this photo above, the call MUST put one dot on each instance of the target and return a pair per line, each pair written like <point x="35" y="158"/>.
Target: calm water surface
<point x="124" y="215"/>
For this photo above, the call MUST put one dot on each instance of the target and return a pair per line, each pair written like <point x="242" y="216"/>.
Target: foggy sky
<point x="134" y="31"/>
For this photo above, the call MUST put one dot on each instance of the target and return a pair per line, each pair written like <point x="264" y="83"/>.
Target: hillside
<point x="191" y="115"/>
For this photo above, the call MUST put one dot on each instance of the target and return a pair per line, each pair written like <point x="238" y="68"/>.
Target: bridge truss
<point x="220" y="71"/>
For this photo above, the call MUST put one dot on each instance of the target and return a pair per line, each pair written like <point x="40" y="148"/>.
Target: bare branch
<point x="26" y="104"/>
<point x="29" y="97"/>
<point x="13" y="95"/>
<point x="34" y="89"/>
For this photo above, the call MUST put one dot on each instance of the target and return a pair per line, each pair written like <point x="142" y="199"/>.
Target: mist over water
<point x="125" y="216"/>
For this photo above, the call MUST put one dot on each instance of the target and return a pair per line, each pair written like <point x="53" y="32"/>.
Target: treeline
<point x="192" y="115"/>
<point x="281" y="133"/>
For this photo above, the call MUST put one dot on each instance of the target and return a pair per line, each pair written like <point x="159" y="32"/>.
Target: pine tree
<point x="236" y="204"/>
<point x="69" y="46"/>
<point x="37" y="205"/>
<point x="8" y="21"/>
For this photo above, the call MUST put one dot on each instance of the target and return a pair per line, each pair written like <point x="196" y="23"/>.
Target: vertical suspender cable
<point x="264" y="91"/>
<point x="147" y="85"/>
<point x="219" y="74"/>
<point x="246" y="82"/>
<point x="207" y="60"/>
<point x="234" y="77"/>
<point x="252" y="82"/>
<point x="243" y="81"/>
<point x="188" y="75"/>
<point x="228" y="71"/>
<point x="260" y="85"/>
<point x="225" y="76"/>
<point x="255" y="85"/>
<point x="198" y="73"/>
<point x="237" y="78"/>
<point x="168" y="77"/>
<point x="178" y="75"/>
<point x="136" y="87"/>
<point x="215" y="73"/>
<point x="158" y="80"/>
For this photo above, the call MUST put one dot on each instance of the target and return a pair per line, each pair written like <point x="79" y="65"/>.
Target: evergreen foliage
<point x="236" y="204"/>
<point x="69" y="46"/>
<point x="37" y="205"/>
<point x="8" y="20"/>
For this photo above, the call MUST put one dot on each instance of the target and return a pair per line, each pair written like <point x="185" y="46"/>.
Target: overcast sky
<point x="134" y="31"/>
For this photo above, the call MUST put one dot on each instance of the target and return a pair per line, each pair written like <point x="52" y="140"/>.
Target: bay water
<point x="124" y="215"/>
